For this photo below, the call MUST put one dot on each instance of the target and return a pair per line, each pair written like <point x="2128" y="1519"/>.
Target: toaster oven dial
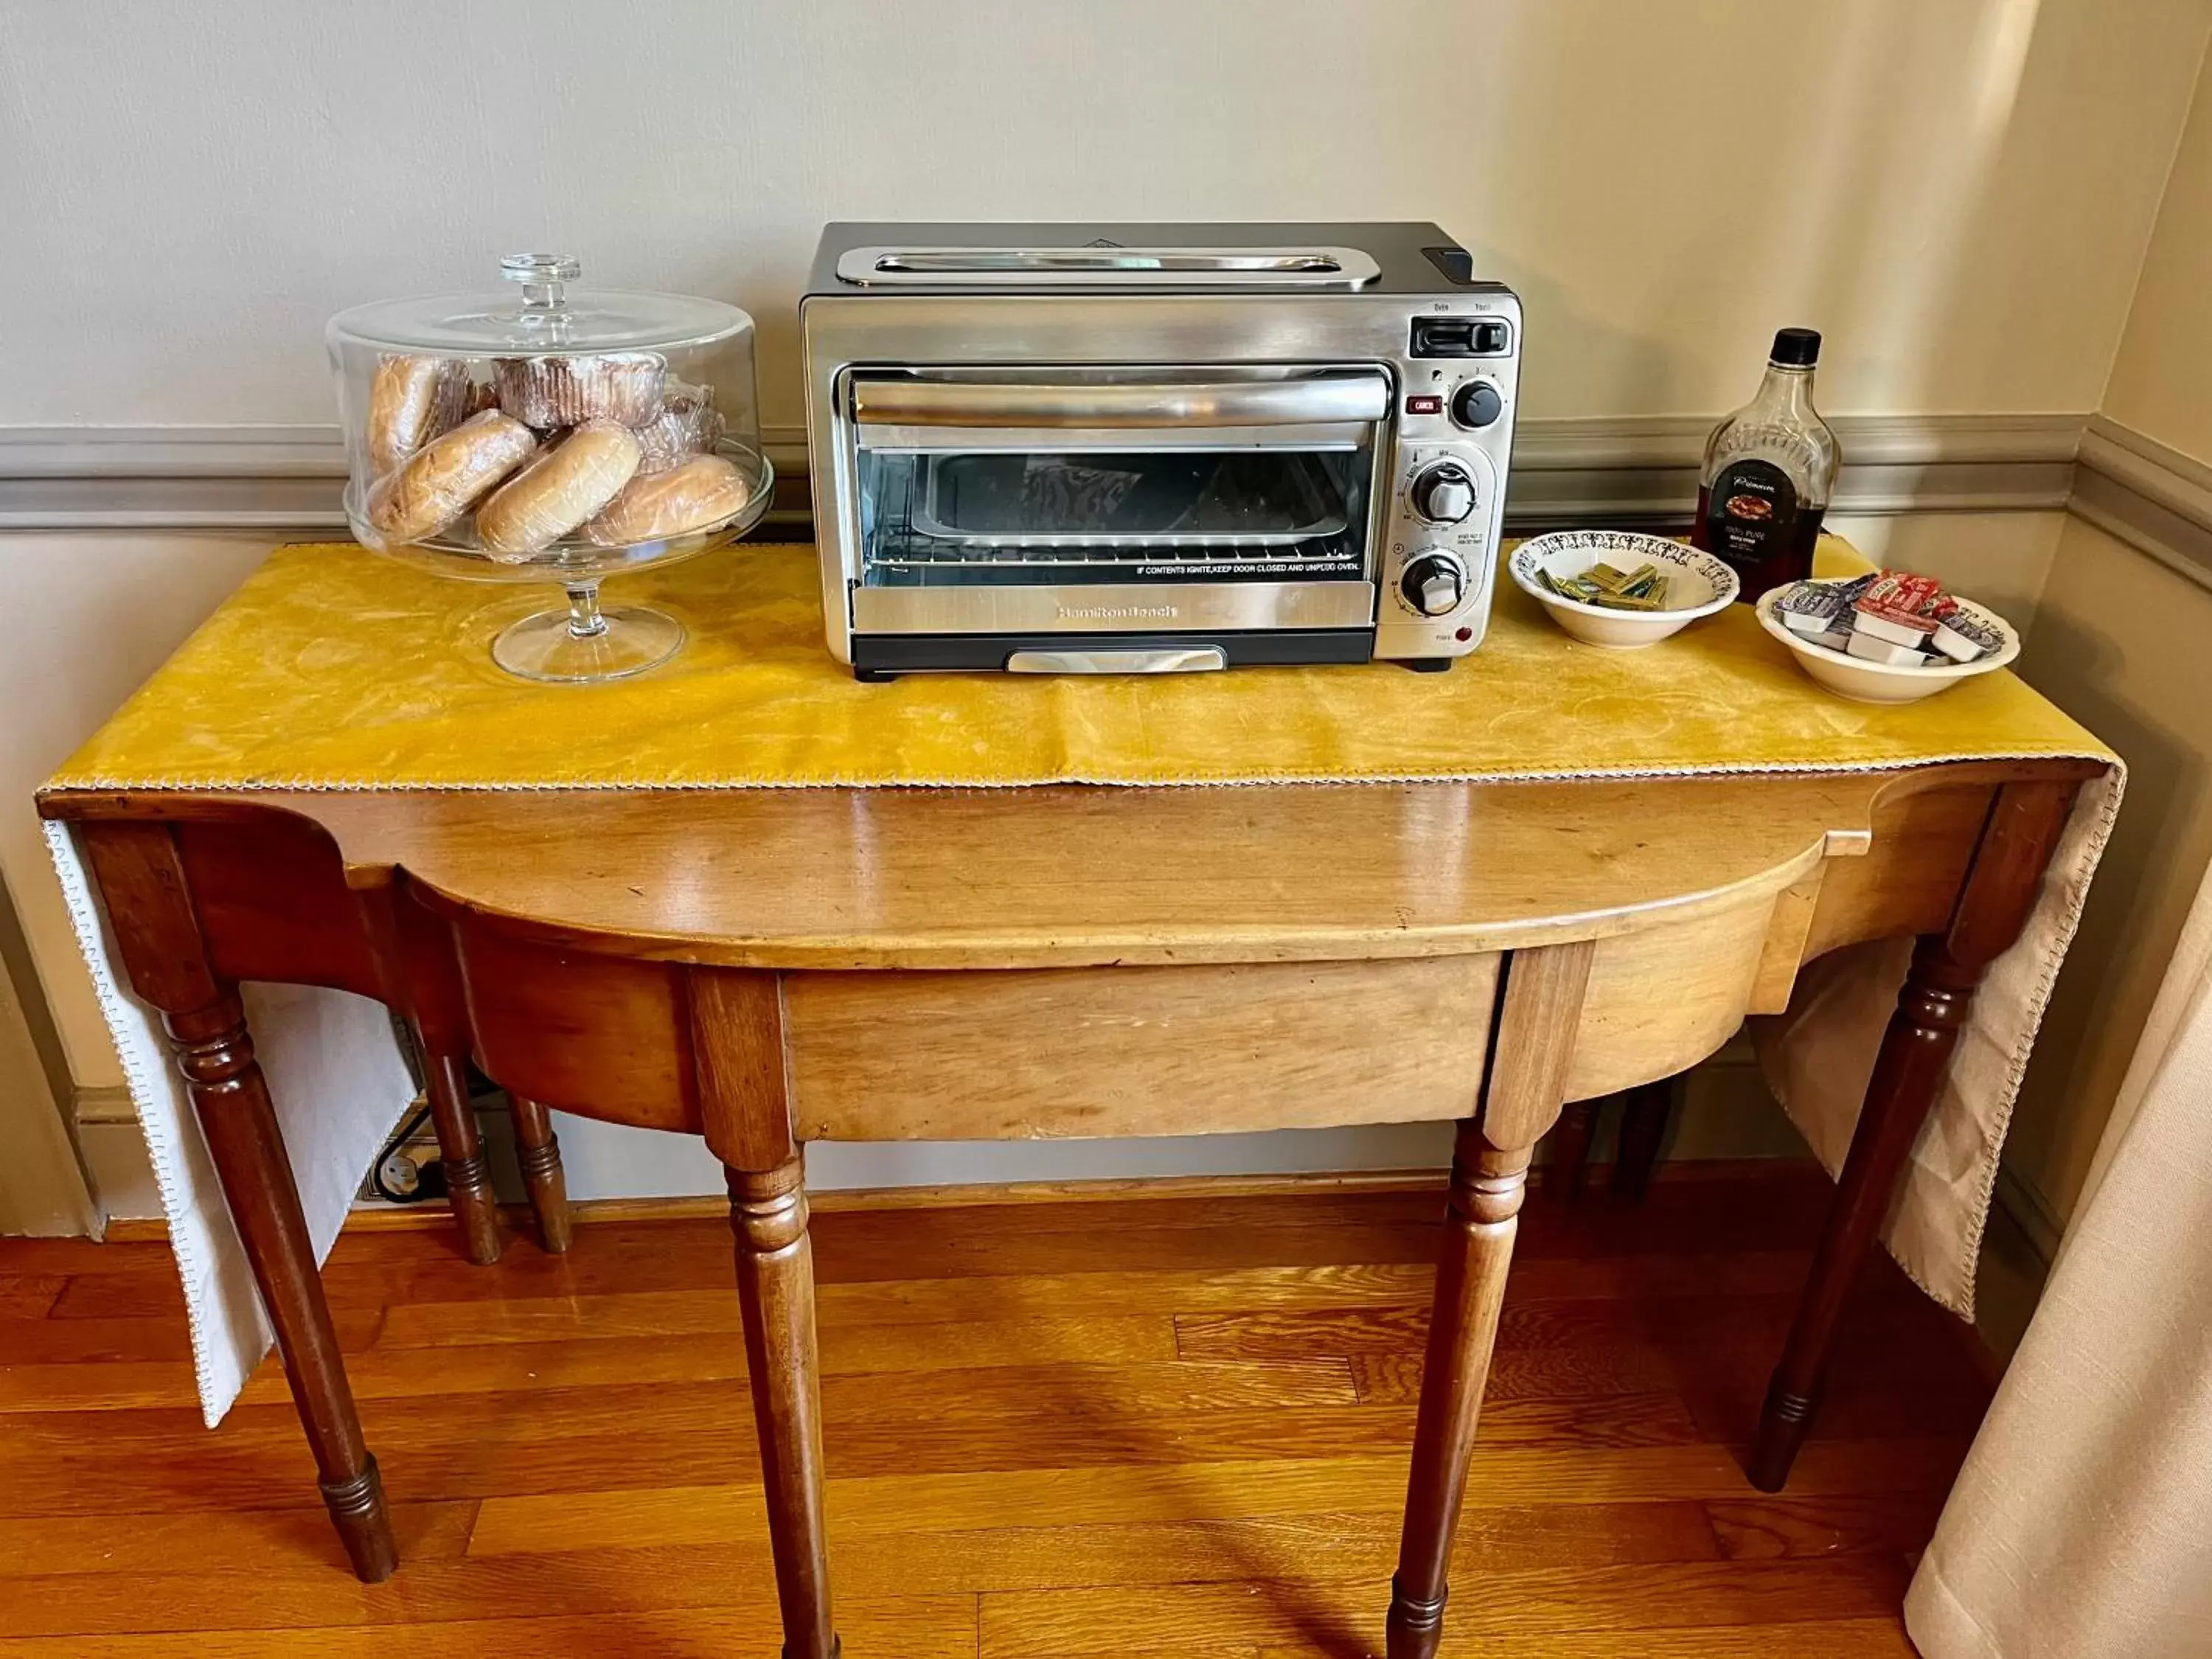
<point x="1444" y="494"/>
<point x="1476" y="405"/>
<point x="1434" y="584"/>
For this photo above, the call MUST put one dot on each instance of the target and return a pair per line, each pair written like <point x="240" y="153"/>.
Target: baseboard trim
<point x="1578" y="470"/>
<point x="104" y="1103"/>
<point x="2016" y="1256"/>
<point x="2039" y="1224"/>
<point x="431" y="1216"/>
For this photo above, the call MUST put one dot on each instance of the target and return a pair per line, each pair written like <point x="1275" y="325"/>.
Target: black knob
<point x="1477" y="404"/>
<point x="1434" y="584"/>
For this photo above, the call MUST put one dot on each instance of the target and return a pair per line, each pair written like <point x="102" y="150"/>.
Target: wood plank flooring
<point x="1136" y="1427"/>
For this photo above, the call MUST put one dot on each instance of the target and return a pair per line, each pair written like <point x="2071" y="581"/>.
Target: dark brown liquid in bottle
<point x="1791" y="562"/>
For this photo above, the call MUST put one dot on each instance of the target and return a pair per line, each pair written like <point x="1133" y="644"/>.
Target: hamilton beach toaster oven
<point x="1147" y="448"/>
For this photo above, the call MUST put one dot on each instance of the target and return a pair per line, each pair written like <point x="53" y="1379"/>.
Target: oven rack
<point x="922" y="553"/>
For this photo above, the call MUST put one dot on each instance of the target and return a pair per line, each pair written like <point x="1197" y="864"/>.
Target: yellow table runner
<point x="334" y="668"/>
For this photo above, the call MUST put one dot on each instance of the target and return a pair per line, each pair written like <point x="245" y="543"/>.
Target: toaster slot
<point x="1108" y="267"/>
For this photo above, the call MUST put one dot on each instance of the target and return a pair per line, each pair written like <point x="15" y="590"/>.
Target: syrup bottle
<point x="1768" y="471"/>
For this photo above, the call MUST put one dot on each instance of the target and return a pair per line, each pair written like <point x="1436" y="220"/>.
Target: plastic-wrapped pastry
<point x="412" y="399"/>
<point x="558" y="491"/>
<point x="440" y="480"/>
<point x="704" y="491"/>
<point x="686" y="426"/>
<point x="614" y="385"/>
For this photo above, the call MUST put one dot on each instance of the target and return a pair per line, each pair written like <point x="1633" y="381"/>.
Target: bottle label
<point x="1751" y="514"/>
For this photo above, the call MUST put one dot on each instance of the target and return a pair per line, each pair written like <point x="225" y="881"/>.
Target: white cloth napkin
<point x="339" y="1086"/>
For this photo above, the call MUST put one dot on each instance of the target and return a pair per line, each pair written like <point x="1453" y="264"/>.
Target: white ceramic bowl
<point x="1873" y="682"/>
<point x="1698" y="584"/>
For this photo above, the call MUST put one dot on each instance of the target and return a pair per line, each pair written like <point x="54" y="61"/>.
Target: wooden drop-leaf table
<point x="766" y="968"/>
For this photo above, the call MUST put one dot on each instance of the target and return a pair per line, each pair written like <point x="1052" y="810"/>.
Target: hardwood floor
<point x="1138" y="1427"/>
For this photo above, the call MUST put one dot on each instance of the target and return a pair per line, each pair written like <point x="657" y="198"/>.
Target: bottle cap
<point x="1796" y="348"/>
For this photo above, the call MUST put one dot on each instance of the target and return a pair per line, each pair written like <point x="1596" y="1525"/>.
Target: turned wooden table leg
<point x="460" y="1149"/>
<point x="2000" y="891"/>
<point x="217" y="1056"/>
<point x="1540" y="997"/>
<point x="539" y="1154"/>
<point x="415" y="955"/>
<point x="1568" y="1173"/>
<point x="1644" y="1114"/>
<point x="775" y="1285"/>
<point x="1487" y="1183"/>
<point x="157" y="935"/>
<point x="737" y="1046"/>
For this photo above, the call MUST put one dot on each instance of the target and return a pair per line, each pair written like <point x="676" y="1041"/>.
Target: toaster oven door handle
<point x="1155" y="661"/>
<point x="884" y="401"/>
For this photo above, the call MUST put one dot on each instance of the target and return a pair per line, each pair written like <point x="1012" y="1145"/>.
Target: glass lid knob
<point x="541" y="275"/>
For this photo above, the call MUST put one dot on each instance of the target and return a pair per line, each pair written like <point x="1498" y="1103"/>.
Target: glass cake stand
<point x="583" y="641"/>
<point x="552" y="434"/>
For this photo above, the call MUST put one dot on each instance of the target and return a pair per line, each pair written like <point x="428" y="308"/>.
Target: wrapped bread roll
<point x="557" y="491"/>
<point x="687" y="425"/>
<point x="613" y="385"/>
<point x="705" y="491"/>
<point x="444" y="478"/>
<point x="411" y="400"/>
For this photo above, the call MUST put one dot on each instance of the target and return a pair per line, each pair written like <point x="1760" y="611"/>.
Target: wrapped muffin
<point x="623" y="386"/>
<point x="686" y="426"/>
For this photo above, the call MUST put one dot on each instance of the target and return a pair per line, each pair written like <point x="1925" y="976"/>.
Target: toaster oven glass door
<point x="1250" y="493"/>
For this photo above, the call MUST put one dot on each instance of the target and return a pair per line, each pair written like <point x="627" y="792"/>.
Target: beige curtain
<point x="2081" y="1525"/>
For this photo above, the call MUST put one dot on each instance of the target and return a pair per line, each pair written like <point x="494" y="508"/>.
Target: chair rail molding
<point x="1639" y="470"/>
<point x="2150" y="495"/>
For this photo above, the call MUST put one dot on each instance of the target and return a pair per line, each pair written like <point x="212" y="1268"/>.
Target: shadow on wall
<point x="1812" y="241"/>
<point x="43" y="1187"/>
<point x="2100" y="593"/>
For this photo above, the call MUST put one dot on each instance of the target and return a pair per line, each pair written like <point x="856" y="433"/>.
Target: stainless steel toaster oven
<point x="1144" y="448"/>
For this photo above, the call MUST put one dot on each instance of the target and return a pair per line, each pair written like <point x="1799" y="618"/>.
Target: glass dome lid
<point x="541" y="316"/>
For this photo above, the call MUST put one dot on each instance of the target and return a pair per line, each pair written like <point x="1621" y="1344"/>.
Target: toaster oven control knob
<point x="1434" y="584"/>
<point x="1444" y="494"/>
<point x="1477" y="404"/>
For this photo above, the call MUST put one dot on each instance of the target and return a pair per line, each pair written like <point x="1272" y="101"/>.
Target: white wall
<point x="2161" y="381"/>
<point x="90" y="614"/>
<point x="1958" y="192"/>
<point x="42" y="1182"/>
<point x="2123" y="644"/>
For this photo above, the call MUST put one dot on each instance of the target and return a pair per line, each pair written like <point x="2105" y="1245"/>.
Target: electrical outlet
<point x="418" y="1159"/>
<point x="410" y="1172"/>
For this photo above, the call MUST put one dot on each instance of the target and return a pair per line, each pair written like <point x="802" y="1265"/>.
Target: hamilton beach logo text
<point x="1114" y="612"/>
